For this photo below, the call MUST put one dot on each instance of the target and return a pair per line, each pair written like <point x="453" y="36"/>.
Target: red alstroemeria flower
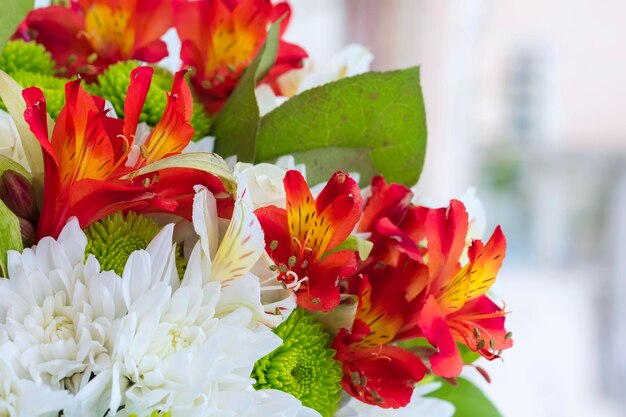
<point x="220" y="38"/>
<point x="87" y="172"/>
<point x="374" y="371"/>
<point x="418" y="287"/>
<point x="452" y="306"/>
<point x="93" y="34"/>
<point x="302" y="239"/>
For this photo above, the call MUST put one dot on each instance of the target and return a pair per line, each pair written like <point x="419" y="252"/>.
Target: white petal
<point x="205" y="221"/>
<point x="136" y="278"/>
<point x="242" y="244"/>
<point x="163" y="257"/>
<point x="245" y="292"/>
<point x="73" y="241"/>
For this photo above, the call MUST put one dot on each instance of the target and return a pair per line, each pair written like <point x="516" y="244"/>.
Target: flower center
<point x="58" y="323"/>
<point x="109" y="30"/>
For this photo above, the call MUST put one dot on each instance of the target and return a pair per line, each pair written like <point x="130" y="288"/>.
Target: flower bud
<point x="17" y="193"/>
<point x="28" y="232"/>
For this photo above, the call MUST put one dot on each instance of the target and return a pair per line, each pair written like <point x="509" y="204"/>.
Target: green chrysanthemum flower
<point x="112" y="240"/>
<point x="200" y="121"/>
<point x="303" y="365"/>
<point x="113" y="84"/>
<point x="53" y="89"/>
<point x="31" y="57"/>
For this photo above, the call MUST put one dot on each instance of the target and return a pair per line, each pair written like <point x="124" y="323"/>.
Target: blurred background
<point x="524" y="101"/>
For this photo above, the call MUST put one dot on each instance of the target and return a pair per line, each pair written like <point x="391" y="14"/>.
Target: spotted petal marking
<point x="301" y="211"/>
<point x="486" y="264"/>
<point x="477" y="276"/>
<point x="383" y="325"/>
<point x="173" y="132"/>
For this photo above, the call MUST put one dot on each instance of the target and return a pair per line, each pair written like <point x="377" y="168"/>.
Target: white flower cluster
<point x="88" y="342"/>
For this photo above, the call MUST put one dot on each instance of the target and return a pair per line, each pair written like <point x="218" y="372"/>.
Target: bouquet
<point x="236" y="238"/>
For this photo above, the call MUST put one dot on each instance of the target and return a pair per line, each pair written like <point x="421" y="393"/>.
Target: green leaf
<point x="371" y="123"/>
<point x="467" y="398"/>
<point x="10" y="235"/>
<point x="235" y="127"/>
<point x="467" y="355"/>
<point x="13" y="12"/>
<point x="322" y="163"/>
<point x="355" y="244"/>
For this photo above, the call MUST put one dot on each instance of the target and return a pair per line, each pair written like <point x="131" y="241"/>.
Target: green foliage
<point x="13" y="12"/>
<point x="356" y="244"/>
<point x="235" y="127"/>
<point x="370" y="123"/>
<point x="113" y="84"/>
<point x="468" y="355"/>
<point x="303" y="365"/>
<point x="31" y="57"/>
<point x="467" y="398"/>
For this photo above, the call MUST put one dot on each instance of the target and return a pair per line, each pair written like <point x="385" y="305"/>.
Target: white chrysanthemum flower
<point x="59" y="311"/>
<point x="188" y="348"/>
<point x="419" y="406"/>
<point x="21" y="397"/>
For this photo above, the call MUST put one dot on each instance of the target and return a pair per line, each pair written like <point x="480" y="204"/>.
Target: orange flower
<point x="302" y="239"/>
<point x="220" y="38"/>
<point x="93" y="34"/>
<point x="86" y="161"/>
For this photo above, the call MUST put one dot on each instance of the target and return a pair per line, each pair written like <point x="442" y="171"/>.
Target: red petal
<point x="152" y="52"/>
<point x="391" y="201"/>
<point x="173" y="132"/>
<point x="489" y="319"/>
<point x="446" y="231"/>
<point x="321" y="292"/>
<point x="341" y="204"/>
<point x="384" y="376"/>
<point x="447" y="361"/>
<point x="140" y="79"/>
<point x="274" y="223"/>
<point x="61" y="31"/>
<point x="152" y="19"/>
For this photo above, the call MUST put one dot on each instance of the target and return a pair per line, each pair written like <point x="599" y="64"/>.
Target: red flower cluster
<point x="220" y="38"/>
<point x="411" y="286"/>
<point x="92" y="34"/>
<point x="89" y="158"/>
